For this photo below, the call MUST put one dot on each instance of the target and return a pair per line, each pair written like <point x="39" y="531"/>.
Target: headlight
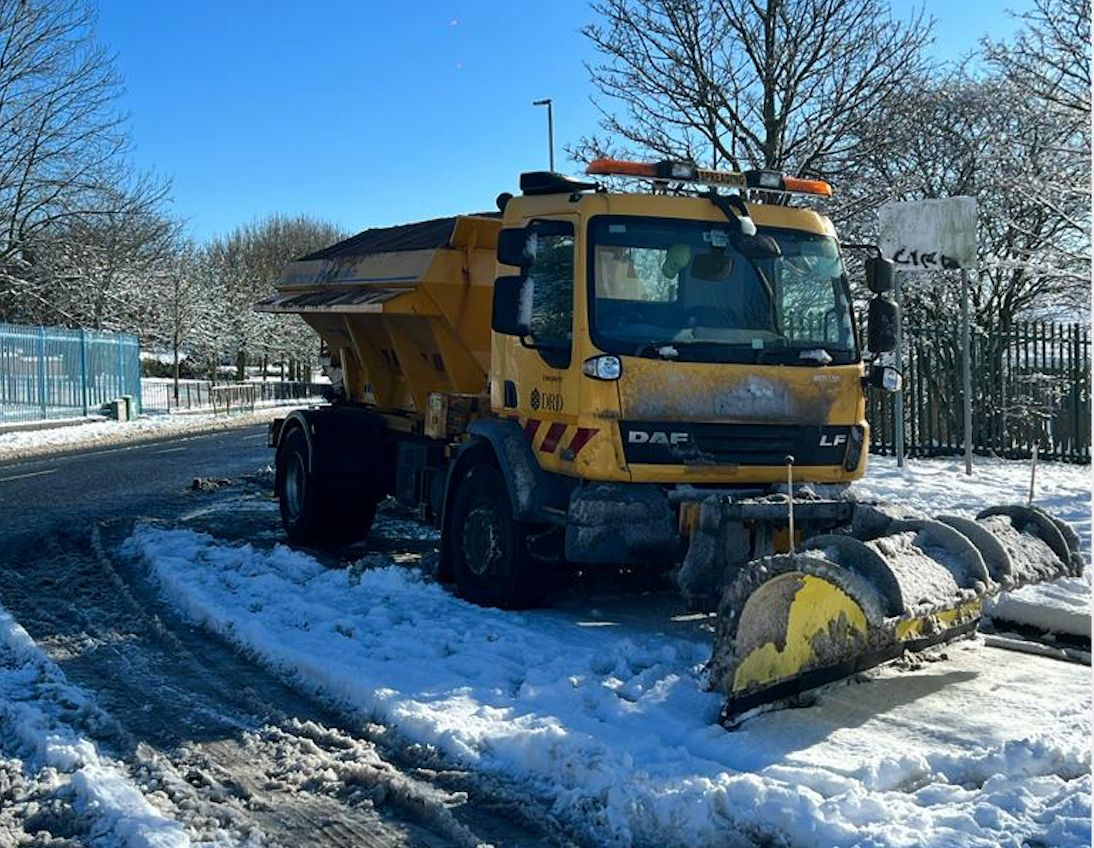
<point x="602" y="367"/>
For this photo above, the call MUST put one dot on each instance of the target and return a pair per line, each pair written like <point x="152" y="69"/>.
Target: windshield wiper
<point x="819" y="354"/>
<point x="665" y="350"/>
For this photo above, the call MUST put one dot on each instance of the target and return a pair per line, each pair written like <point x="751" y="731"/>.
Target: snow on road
<point x="599" y="708"/>
<point x="49" y="766"/>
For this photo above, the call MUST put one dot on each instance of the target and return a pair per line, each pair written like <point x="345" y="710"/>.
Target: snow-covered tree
<point x="1049" y="59"/>
<point x="181" y="313"/>
<point x="1047" y="69"/>
<point x="63" y="147"/>
<point x="96" y="271"/>
<point x="968" y="135"/>
<point x="780" y="84"/>
<point x="246" y="265"/>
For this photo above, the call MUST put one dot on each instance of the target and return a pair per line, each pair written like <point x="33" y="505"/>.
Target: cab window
<point x="552" y="275"/>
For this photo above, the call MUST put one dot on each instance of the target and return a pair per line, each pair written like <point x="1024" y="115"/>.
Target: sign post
<point x="966" y="368"/>
<point x="898" y="399"/>
<point x="933" y="235"/>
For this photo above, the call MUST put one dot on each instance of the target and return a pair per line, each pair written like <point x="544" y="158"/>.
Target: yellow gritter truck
<point x="669" y="378"/>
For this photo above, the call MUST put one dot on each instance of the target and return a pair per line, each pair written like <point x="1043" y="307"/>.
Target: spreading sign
<point x="930" y="235"/>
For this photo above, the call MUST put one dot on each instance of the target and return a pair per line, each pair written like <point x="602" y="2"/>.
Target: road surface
<point x="239" y="756"/>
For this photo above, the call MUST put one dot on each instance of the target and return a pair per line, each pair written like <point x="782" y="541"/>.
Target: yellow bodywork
<point x="402" y="325"/>
<point x="652" y="389"/>
<point x="927" y="625"/>
<point x="423" y="327"/>
<point x="817" y="624"/>
<point x="817" y="610"/>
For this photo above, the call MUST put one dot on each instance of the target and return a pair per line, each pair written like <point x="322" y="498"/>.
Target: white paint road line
<point x="170" y="450"/>
<point x="30" y="474"/>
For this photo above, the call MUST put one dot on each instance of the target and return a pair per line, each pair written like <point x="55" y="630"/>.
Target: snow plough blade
<point x="845" y="602"/>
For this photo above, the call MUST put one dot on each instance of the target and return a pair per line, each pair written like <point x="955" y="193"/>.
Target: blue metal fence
<point x="50" y="372"/>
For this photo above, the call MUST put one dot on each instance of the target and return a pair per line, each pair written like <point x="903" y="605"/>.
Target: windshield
<point x="681" y="289"/>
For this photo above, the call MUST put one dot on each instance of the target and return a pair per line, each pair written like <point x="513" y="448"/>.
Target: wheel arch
<point x="532" y="491"/>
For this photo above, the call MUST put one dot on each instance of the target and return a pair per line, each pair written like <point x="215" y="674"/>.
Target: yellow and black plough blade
<point x="841" y="604"/>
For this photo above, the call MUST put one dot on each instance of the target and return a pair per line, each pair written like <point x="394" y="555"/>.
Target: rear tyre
<point x="489" y="548"/>
<point x="319" y="510"/>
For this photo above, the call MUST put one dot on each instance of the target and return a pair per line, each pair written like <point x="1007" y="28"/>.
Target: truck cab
<point x="645" y="338"/>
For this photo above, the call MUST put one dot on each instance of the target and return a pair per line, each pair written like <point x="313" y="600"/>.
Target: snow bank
<point x="20" y="444"/>
<point x="1062" y="607"/>
<point x="940" y="485"/>
<point x="35" y="700"/>
<point x="601" y="712"/>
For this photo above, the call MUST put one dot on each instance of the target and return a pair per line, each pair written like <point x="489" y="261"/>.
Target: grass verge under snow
<point x="25" y="444"/>
<point x="603" y="713"/>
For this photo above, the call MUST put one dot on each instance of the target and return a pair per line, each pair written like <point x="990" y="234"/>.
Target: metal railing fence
<point x="1031" y="385"/>
<point x="236" y="397"/>
<point x="158" y="394"/>
<point x="51" y="372"/>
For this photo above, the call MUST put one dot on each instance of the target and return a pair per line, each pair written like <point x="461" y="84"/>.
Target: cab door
<point x="541" y="370"/>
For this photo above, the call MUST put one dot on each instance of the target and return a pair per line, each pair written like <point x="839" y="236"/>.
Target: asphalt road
<point x="149" y="479"/>
<point x="236" y="750"/>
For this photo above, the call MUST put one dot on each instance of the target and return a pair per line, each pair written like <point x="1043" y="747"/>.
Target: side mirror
<point x="513" y="247"/>
<point x="511" y="314"/>
<point x="885" y="377"/>
<point x="879" y="274"/>
<point x="881" y="325"/>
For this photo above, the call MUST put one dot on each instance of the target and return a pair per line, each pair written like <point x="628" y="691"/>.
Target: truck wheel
<point x="490" y="559"/>
<point x="317" y="510"/>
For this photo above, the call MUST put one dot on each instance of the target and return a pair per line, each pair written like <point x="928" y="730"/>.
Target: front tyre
<point x="489" y="548"/>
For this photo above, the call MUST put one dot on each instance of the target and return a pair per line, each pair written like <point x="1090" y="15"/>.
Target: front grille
<point x="749" y="444"/>
<point x="676" y="443"/>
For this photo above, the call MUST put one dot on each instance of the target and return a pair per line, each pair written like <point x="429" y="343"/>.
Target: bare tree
<point x="1013" y="130"/>
<point x="1050" y="58"/>
<point x="62" y="144"/>
<point x="958" y="135"/>
<point x="1047" y="70"/>
<point x="97" y="270"/>
<point x="181" y="316"/>
<point x="778" y="84"/>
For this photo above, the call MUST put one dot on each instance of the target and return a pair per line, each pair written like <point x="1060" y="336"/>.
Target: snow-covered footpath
<point x="38" y="709"/>
<point x="24" y="444"/>
<point x="601" y="711"/>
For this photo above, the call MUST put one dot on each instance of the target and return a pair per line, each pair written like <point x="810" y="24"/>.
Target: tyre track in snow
<point x="196" y="723"/>
<point x="217" y="741"/>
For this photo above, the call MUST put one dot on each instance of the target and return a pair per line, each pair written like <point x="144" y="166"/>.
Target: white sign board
<point x="930" y="235"/>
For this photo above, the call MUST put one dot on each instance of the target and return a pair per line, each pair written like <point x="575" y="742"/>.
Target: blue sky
<point x="370" y="113"/>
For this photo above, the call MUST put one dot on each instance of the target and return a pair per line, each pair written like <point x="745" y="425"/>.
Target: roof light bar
<point x="799" y="185"/>
<point x="687" y="172"/>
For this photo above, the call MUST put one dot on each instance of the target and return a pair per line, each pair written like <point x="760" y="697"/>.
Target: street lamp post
<point x="550" y="128"/>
